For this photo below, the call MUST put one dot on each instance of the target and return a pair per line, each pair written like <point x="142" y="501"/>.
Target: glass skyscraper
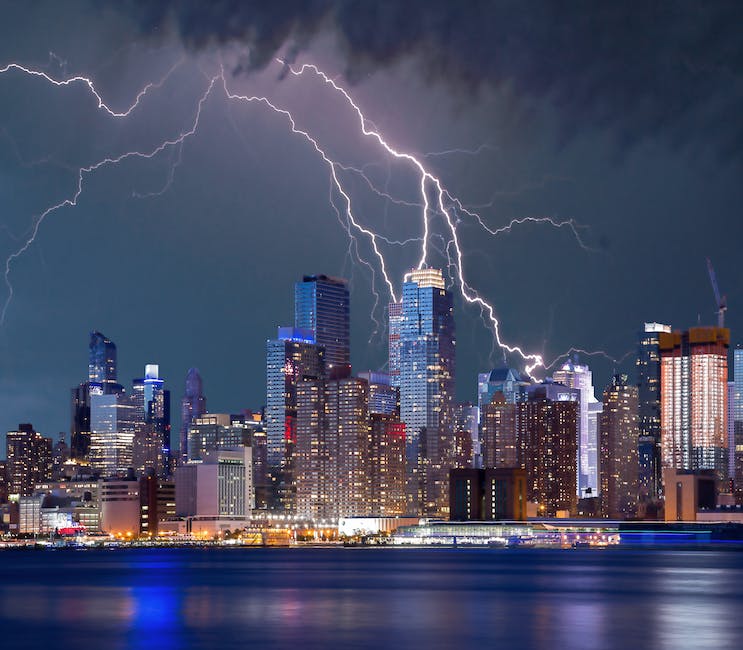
<point x="738" y="421"/>
<point x="193" y="405"/>
<point x="648" y="391"/>
<point x="321" y="304"/>
<point x="426" y="378"/>
<point x="102" y="363"/>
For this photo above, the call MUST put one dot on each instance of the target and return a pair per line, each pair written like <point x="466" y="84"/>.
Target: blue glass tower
<point x="426" y="365"/>
<point x="102" y="363"/>
<point x="321" y="304"/>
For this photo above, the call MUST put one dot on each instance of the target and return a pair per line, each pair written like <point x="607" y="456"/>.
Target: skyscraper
<point x="394" y="315"/>
<point x="575" y="375"/>
<point x="290" y="359"/>
<point x="547" y="436"/>
<point x="114" y="420"/>
<point x="618" y="431"/>
<point x="29" y="459"/>
<point x="498" y="431"/>
<point x="193" y="406"/>
<point x="693" y="392"/>
<point x="648" y="388"/>
<point x="426" y="379"/>
<point x="102" y="363"/>
<point x="322" y="305"/>
<point x="151" y="452"/>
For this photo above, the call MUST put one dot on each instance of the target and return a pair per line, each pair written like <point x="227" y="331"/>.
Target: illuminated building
<point x="28" y="459"/>
<point x="394" y="320"/>
<point x="738" y="422"/>
<point x="648" y="386"/>
<point x="102" y="363"/>
<point x="193" y="405"/>
<point x="218" y="490"/>
<point x="114" y="419"/>
<point x="693" y="393"/>
<point x="386" y="465"/>
<point x="151" y="444"/>
<point x="487" y="494"/>
<point x="575" y="375"/>
<point x="120" y="507"/>
<point x="3" y="481"/>
<point x="426" y="380"/>
<point x="290" y="359"/>
<point x="547" y="436"/>
<point x="498" y="433"/>
<point x="618" y="434"/>
<point x="321" y="304"/>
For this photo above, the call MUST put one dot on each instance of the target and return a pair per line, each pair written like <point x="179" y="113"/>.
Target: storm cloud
<point x="638" y="69"/>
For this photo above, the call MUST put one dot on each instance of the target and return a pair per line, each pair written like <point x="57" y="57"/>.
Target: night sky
<point x="626" y="118"/>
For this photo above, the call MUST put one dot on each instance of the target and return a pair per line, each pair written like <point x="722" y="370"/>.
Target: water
<point x="164" y="599"/>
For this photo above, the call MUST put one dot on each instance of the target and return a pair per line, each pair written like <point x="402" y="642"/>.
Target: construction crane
<point x="722" y="301"/>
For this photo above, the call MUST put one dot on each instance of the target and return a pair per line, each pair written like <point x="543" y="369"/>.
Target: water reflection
<point x="434" y="598"/>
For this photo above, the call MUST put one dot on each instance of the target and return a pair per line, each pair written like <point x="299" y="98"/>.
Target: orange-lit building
<point x="694" y="374"/>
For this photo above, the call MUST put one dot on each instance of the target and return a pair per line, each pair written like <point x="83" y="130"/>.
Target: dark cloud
<point x="639" y="69"/>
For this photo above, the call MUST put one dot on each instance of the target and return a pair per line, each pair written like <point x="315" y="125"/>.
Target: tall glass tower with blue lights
<point x="425" y="356"/>
<point x="322" y="304"/>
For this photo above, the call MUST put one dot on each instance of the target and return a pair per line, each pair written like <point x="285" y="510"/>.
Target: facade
<point x="102" y="370"/>
<point x="738" y="422"/>
<point x="487" y="494"/>
<point x="384" y="398"/>
<point x="694" y="377"/>
<point x="394" y="320"/>
<point x="498" y="431"/>
<point x="218" y="488"/>
<point x="80" y="422"/>
<point x="466" y="435"/>
<point x="193" y="405"/>
<point x="426" y="362"/>
<point x="156" y="503"/>
<point x="687" y="492"/>
<point x="290" y="359"/>
<point x="114" y="420"/>
<point x="386" y="465"/>
<point x="575" y="375"/>
<point x="28" y="459"/>
<point x="120" y="507"/>
<point x="322" y="305"/>
<point x="547" y="434"/>
<point x="648" y="387"/>
<point x="618" y="435"/>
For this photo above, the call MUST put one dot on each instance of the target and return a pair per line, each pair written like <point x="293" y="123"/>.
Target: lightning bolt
<point x="434" y="198"/>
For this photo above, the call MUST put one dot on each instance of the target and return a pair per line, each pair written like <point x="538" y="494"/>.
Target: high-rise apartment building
<point x="394" y="320"/>
<point x="694" y="375"/>
<point x="290" y="359"/>
<point x="322" y="305"/>
<point x="547" y="435"/>
<point x="498" y="431"/>
<point x="618" y="433"/>
<point x="648" y="387"/>
<point x="426" y="362"/>
<point x="193" y="405"/>
<point x="28" y="459"/>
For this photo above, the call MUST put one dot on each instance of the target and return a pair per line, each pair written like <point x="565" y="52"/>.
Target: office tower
<point x="498" y="431"/>
<point x="193" y="406"/>
<point x="577" y="376"/>
<point x="80" y="422"/>
<point x="618" y="433"/>
<point x="648" y="387"/>
<point x="738" y="422"/>
<point x="114" y="419"/>
<point x="321" y="304"/>
<point x="28" y="459"/>
<point x="508" y="381"/>
<point x="694" y="375"/>
<point x="151" y="445"/>
<point x="547" y="435"/>
<point x="102" y="363"/>
<point x="426" y="379"/>
<point x="394" y="320"/>
<point x="217" y="490"/>
<point x="214" y="431"/>
<point x="290" y="359"/>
